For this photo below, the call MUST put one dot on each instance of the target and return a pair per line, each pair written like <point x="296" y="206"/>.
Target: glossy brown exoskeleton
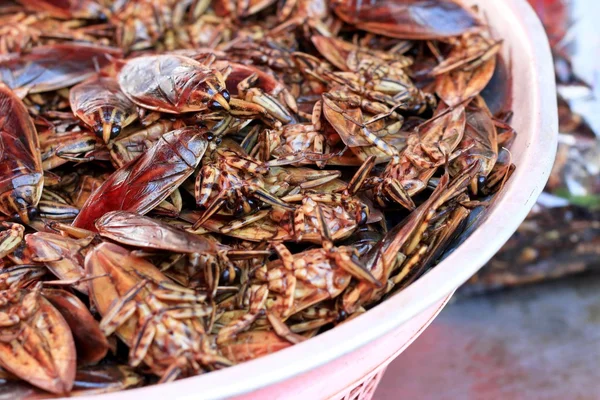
<point x="21" y="175"/>
<point x="146" y="181"/>
<point x="102" y="106"/>
<point x="407" y="19"/>
<point x="53" y="67"/>
<point x="67" y="9"/>
<point x="173" y="84"/>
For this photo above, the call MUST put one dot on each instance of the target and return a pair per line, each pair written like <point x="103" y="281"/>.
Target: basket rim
<point x="505" y="215"/>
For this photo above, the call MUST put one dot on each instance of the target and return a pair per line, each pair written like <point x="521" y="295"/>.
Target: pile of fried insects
<point x="187" y="184"/>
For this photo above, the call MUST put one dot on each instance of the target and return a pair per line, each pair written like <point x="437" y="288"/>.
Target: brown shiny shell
<point x="42" y="350"/>
<point x="140" y="231"/>
<point x="62" y="256"/>
<point x="408" y="19"/>
<point x="142" y="184"/>
<point x="459" y="85"/>
<point x="90" y="342"/>
<point x="66" y="9"/>
<point x="53" y="67"/>
<point x="118" y="271"/>
<point x="254" y="344"/>
<point x="21" y="175"/>
<point x="169" y="83"/>
<point x="480" y="143"/>
<point x="102" y="106"/>
<point x="326" y="280"/>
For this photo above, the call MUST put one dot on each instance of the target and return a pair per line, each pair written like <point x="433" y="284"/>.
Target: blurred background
<point x="528" y="325"/>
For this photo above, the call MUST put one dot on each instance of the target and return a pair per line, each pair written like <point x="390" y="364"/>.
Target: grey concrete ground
<point x="536" y="342"/>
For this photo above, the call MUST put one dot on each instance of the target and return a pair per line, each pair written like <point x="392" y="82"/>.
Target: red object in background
<point x="554" y="16"/>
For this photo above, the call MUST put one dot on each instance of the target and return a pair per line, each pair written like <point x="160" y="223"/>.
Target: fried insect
<point x="20" y="158"/>
<point x="143" y="183"/>
<point x="62" y="255"/>
<point x="53" y="67"/>
<point x="102" y="106"/>
<point x="67" y="9"/>
<point x="37" y="344"/>
<point x="412" y="19"/>
<point x="160" y="321"/>
<point x="173" y="84"/>
<point x="233" y="180"/>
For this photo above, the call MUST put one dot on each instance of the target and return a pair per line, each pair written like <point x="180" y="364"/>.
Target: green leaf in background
<point x="591" y="201"/>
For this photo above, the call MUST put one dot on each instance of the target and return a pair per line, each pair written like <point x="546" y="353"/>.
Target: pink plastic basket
<point x="347" y="362"/>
